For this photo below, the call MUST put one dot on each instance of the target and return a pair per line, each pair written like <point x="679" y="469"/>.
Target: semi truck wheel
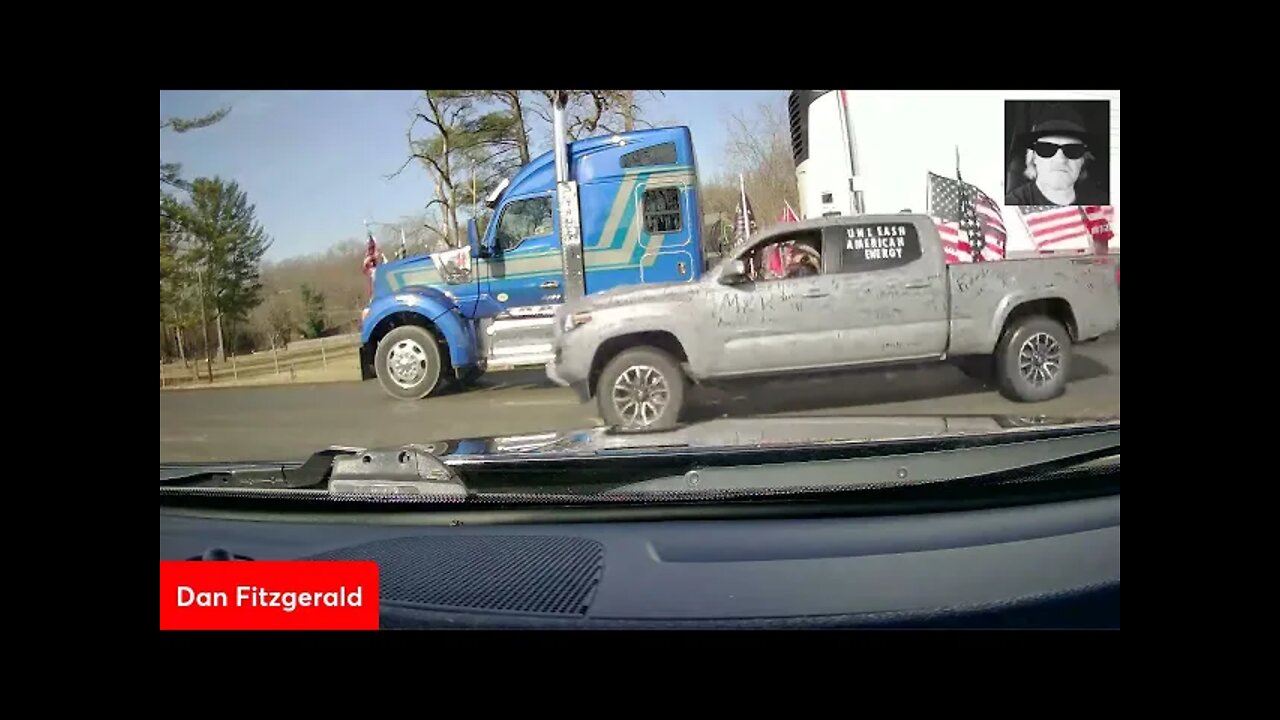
<point x="641" y="389"/>
<point x="1033" y="360"/>
<point x="408" y="363"/>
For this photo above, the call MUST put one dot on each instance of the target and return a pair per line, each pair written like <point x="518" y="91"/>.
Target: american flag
<point x="970" y="222"/>
<point x="788" y="215"/>
<point x="775" y="260"/>
<point x="1054" y="227"/>
<point x="370" y="260"/>
<point x="740" y="231"/>
<point x="370" y="254"/>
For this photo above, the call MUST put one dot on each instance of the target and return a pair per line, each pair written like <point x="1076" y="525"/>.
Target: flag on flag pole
<point x="1071" y="227"/>
<point x="370" y="253"/>
<point x="969" y="221"/>
<point x="776" y="259"/>
<point x="744" y="220"/>
<point x="788" y="215"/>
<point x="1099" y="220"/>
<point x="370" y="258"/>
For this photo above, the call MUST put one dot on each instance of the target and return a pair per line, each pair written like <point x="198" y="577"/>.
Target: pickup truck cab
<point x="876" y="291"/>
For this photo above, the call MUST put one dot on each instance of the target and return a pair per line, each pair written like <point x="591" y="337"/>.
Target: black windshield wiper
<point x="408" y="471"/>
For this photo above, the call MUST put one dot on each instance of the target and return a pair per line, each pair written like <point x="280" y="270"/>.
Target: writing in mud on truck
<point x="883" y="294"/>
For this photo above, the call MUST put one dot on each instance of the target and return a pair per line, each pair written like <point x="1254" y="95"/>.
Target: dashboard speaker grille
<point x="547" y="575"/>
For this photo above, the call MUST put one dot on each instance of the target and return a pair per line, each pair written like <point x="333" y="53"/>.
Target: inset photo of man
<point x="1058" y="152"/>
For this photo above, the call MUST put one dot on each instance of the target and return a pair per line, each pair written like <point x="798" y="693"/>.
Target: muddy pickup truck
<point x="833" y="294"/>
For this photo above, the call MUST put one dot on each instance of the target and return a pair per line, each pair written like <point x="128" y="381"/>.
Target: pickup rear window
<point x="869" y="247"/>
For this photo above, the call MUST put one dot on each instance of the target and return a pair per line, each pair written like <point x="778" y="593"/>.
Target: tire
<point x="418" y="342"/>
<point x="646" y="361"/>
<point x="1033" y="331"/>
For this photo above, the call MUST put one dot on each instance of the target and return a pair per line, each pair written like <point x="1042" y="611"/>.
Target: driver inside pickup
<point x="788" y="259"/>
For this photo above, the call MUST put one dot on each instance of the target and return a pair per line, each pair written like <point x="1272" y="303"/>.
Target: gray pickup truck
<point x="875" y="290"/>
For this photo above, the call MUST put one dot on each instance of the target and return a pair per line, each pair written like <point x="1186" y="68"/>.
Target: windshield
<point x="915" y="265"/>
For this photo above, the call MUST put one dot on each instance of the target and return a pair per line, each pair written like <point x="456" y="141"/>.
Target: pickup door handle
<point x="815" y="294"/>
<point x="916" y="285"/>
<point x="550" y="285"/>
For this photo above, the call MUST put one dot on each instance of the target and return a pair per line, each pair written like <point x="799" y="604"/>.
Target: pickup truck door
<point x="893" y="289"/>
<point x="526" y="271"/>
<point x="775" y="324"/>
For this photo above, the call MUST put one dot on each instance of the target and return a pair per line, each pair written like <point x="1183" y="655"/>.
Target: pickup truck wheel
<point x="641" y="389"/>
<point x="1034" y="360"/>
<point x="408" y="363"/>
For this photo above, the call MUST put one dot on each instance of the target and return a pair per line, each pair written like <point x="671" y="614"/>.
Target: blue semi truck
<point x="582" y="218"/>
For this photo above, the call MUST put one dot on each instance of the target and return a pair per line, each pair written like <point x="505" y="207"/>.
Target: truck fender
<point x="436" y="309"/>
<point x="633" y="335"/>
<point x="1050" y="304"/>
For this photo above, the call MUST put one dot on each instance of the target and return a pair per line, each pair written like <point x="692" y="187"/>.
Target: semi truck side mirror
<point x="734" y="273"/>
<point x="473" y="239"/>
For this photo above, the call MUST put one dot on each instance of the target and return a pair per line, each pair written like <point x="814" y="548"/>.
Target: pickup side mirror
<point x="735" y="272"/>
<point x="473" y="239"/>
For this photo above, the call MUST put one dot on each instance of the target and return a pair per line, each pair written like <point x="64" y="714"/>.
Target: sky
<point x="314" y="163"/>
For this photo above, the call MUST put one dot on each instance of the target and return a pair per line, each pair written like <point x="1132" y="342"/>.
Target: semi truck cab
<point x="447" y="317"/>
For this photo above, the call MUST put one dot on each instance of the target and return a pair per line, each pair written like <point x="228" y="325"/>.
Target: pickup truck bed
<point x="883" y="294"/>
<point x="1082" y="287"/>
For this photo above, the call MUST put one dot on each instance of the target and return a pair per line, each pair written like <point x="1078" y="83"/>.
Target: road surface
<point x="287" y="422"/>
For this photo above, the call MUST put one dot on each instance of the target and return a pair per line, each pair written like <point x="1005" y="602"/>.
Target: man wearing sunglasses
<point x="1057" y="158"/>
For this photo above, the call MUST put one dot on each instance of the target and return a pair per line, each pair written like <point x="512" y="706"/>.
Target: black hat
<point x="1057" y="119"/>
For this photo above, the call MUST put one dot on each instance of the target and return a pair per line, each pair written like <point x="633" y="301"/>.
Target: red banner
<point x="1098" y="223"/>
<point x="252" y="595"/>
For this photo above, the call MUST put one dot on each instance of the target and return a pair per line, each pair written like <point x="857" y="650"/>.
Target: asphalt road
<point x="286" y="422"/>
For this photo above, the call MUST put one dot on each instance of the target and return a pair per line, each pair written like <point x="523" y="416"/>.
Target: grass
<point x="336" y="363"/>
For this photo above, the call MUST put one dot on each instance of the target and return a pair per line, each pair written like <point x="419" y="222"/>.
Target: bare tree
<point x="759" y="148"/>
<point x="444" y="112"/>
<point x="465" y="151"/>
<point x="421" y="233"/>
<point x="593" y="112"/>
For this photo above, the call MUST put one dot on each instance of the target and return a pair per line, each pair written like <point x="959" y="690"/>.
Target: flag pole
<point x="746" y="219"/>
<point x="962" y="198"/>
<point x="1031" y="238"/>
<point x="1088" y="229"/>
